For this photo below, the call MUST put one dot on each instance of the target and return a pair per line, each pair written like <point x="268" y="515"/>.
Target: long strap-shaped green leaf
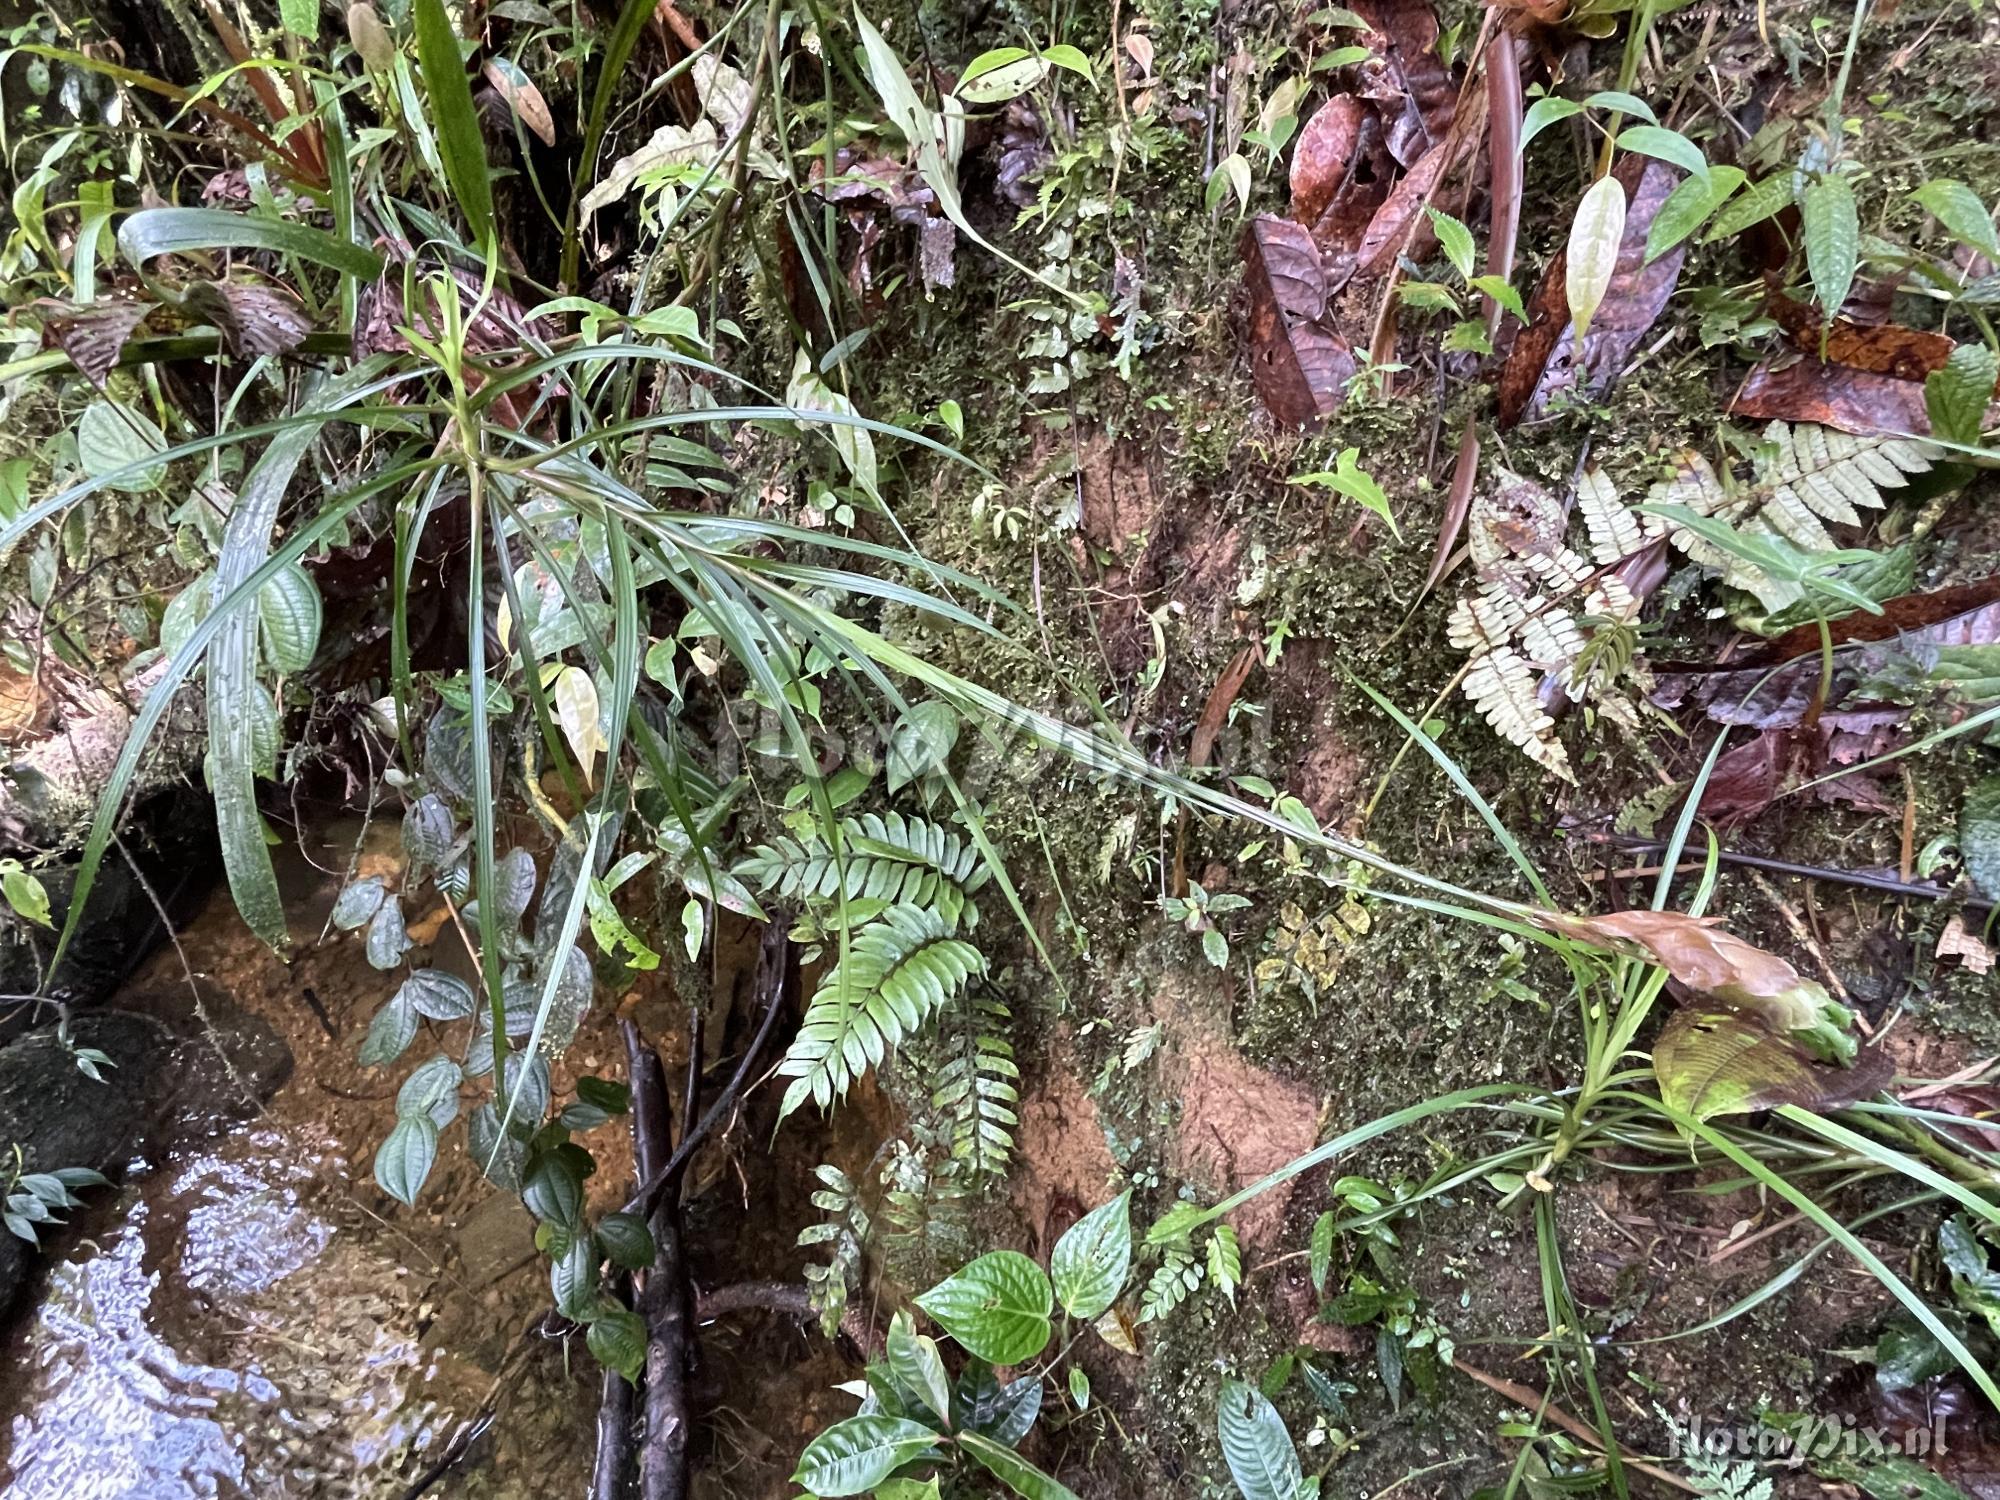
<point x="232" y="667"/>
<point x="111" y="801"/>
<point x="1834" y="1230"/>
<point x="459" y="141"/>
<point x="163" y="231"/>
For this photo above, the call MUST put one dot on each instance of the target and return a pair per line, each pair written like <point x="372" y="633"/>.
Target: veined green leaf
<point x="288" y="616"/>
<point x="1763" y="199"/>
<point x="997" y="1307"/>
<point x="1594" y="240"/>
<point x="1956" y="397"/>
<point x="164" y="231"/>
<point x="1545" y="112"/>
<point x="460" y="143"/>
<point x="1833" y="241"/>
<point x="854" y="1456"/>
<point x="917" y="1366"/>
<point x="1960" y="210"/>
<point x="1020" y="1476"/>
<point x="1666" y="145"/>
<point x="1002" y="74"/>
<point x="1091" y="1260"/>
<point x="111" y="436"/>
<point x="1691" y="202"/>
<point x="1259" y="1451"/>
<point x="403" y="1161"/>
<point x="1456" y="240"/>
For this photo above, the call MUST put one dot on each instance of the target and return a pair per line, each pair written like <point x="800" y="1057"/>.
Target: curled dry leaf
<point x="1401" y="224"/>
<point x="1546" y="361"/>
<point x="1300" y="365"/>
<point x="92" y="334"/>
<point x="519" y="90"/>
<point x="252" y="319"/>
<point x="1407" y="75"/>
<point x="1704" y="957"/>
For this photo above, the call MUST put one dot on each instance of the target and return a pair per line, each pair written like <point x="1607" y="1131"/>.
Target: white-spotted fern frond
<point x="897" y="972"/>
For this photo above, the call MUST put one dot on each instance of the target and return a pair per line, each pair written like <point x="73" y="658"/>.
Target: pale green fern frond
<point x="904" y="861"/>
<point x="976" y="1089"/>
<point x="898" y="971"/>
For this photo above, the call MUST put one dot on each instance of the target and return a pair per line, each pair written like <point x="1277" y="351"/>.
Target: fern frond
<point x="905" y="861"/>
<point x="976" y="1090"/>
<point x="1803" y="477"/>
<point x="1616" y="531"/>
<point x="1172" y="1282"/>
<point x="898" y="971"/>
<point x="1501" y="686"/>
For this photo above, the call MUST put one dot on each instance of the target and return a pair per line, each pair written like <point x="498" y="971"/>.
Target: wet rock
<point x="57" y="1116"/>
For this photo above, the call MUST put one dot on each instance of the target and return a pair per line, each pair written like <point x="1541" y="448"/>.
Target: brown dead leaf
<point x="1300" y="365"/>
<point x="93" y="334"/>
<point x="252" y="319"/>
<point x="1407" y="75"/>
<point x="1900" y="615"/>
<point x="519" y="90"/>
<point x="1956" y="942"/>
<point x="1545" y="361"/>
<point x="1799" y="388"/>
<point x="1325" y="157"/>
<point x="1704" y="957"/>
<point x="1400" y="223"/>
<point x="1869" y="382"/>
<point x="1215" y="713"/>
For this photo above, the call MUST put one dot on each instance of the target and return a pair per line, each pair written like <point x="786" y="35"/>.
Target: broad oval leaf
<point x="432" y="1090"/>
<point x="916" y="1365"/>
<point x="1724" y="1062"/>
<point x="617" y="1338"/>
<point x="1666" y="145"/>
<point x="1687" y="206"/>
<point x="427" y="830"/>
<point x="387" y="939"/>
<point x="390" y="1033"/>
<point x="112" y="436"/>
<point x="852" y="1457"/>
<point x="1002" y="74"/>
<point x="403" y="1161"/>
<point x="980" y="1403"/>
<point x="997" y="1307"/>
<point x="1960" y="210"/>
<point x="1255" y="1445"/>
<point x="438" y="995"/>
<point x="357" y="902"/>
<point x="576" y="709"/>
<point x="1091" y="1260"/>
<point x="573" y="1277"/>
<point x="1545" y="112"/>
<point x="1595" y="236"/>
<point x="288" y="619"/>
<point x="921" y="742"/>
<point x="626" y="1241"/>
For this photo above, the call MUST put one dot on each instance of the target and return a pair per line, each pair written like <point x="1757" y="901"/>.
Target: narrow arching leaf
<point x="1761" y="201"/>
<point x="1255" y="1445"/>
<point x="1020" y="1476"/>
<point x="852" y="1457"/>
<point x="403" y="1161"/>
<point x="165" y="231"/>
<point x="917" y="1367"/>
<point x="1688" y="206"/>
<point x="1594" y="239"/>
<point x="460" y="144"/>
<point x="1833" y="241"/>
<point x="1091" y="1260"/>
<point x="997" y="1307"/>
<point x="1669" y="146"/>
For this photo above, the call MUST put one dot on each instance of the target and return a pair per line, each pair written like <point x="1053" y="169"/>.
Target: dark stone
<point x="56" y="1116"/>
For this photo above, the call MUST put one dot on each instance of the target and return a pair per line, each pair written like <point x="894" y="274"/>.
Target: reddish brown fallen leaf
<point x="1752" y="775"/>
<point x="1906" y="613"/>
<point x="1407" y="75"/>
<point x="1767" y="696"/>
<point x="1215" y="713"/>
<point x="1801" y="389"/>
<point x="1748" y="777"/>
<point x="1323" y="155"/>
<point x="1340" y="173"/>
<point x="1545" y="361"/>
<point x="1877" y="348"/>
<point x="1300" y="365"/>
<point x="1704" y="957"/>
<point x="519" y="90"/>
<point x="92" y="334"/>
<point x="1400" y="223"/>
